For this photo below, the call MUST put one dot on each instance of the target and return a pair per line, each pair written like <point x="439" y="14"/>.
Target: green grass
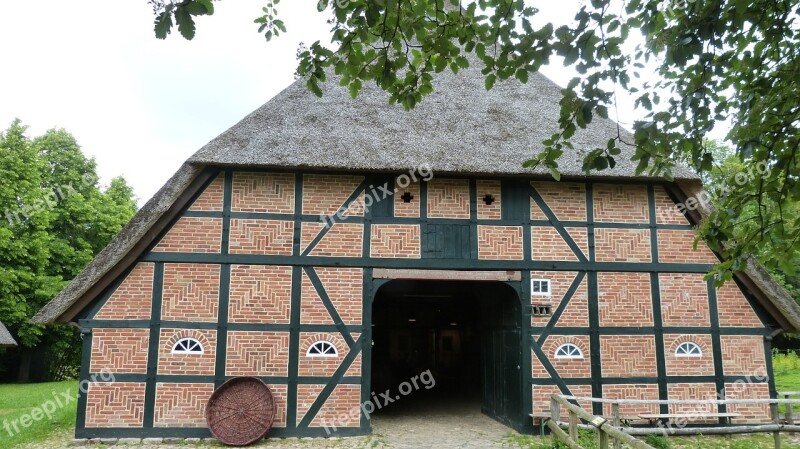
<point x="19" y="405"/>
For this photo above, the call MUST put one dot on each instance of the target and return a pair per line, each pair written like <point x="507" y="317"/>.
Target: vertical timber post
<point x="615" y="422"/>
<point x="773" y="408"/>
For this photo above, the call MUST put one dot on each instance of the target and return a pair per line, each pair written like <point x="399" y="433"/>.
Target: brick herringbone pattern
<point x="567" y="200"/>
<point x="181" y="404"/>
<point x="576" y="314"/>
<point x="628" y="355"/>
<point x="254" y="353"/>
<point x="750" y="412"/>
<point x="684" y="299"/>
<point x="622" y="245"/>
<point x="403" y="209"/>
<point x="743" y="355"/>
<point x="448" y="198"/>
<point x="119" y="350"/>
<point x="132" y="299"/>
<point x="620" y="203"/>
<point x="271" y="237"/>
<point x="395" y="241"/>
<point x="542" y="393"/>
<point x="191" y="292"/>
<point x="263" y="192"/>
<point x="625" y="299"/>
<point x="118" y="404"/>
<point x="666" y="211"/>
<point x="500" y="242"/>
<point x="211" y="198"/>
<point x="260" y="294"/>
<point x="343" y="239"/>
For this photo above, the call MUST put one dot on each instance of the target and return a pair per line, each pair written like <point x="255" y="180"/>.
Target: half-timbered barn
<point x="336" y="248"/>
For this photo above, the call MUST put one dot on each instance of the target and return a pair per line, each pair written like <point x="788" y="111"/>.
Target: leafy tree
<point x="55" y="219"/>
<point x="709" y="62"/>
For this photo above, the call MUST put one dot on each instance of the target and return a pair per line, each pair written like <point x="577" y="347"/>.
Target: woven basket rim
<point x="226" y="386"/>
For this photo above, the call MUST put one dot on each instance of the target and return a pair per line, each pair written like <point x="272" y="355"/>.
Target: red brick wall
<point x="620" y="203"/>
<point x="119" y="350"/>
<point x="191" y="364"/>
<point x="344" y="287"/>
<point x="500" y="242"/>
<point x="567" y="200"/>
<point x="324" y="366"/>
<point x="488" y="211"/>
<point x="689" y="366"/>
<point x="547" y="243"/>
<point x="342" y="409"/>
<point x="260" y="294"/>
<point x="448" y="198"/>
<point x="119" y="404"/>
<point x="622" y="245"/>
<point x="569" y="368"/>
<point x="132" y="299"/>
<point x="343" y="239"/>
<point x="211" y="198"/>
<point x="576" y="314"/>
<point x="410" y="209"/>
<point x="324" y="194"/>
<point x="624" y="299"/>
<point x="395" y="241"/>
<point x="677" y="246"/>
<point x="191" y="292"/>
<point x="628" y="355"/>
<point x="743" y="355"/>
<point x="734" y="310"/>
<point x="263" y="192"/>
<point x="631" y="391"/>
<point x="271" y="237"/>
<point x="254" y="353"/>
<point x="542" y="393"/>
<point x="693" y="392"/>
<point x="684" y="299"/>
<point x="666" y="211"/>
<point x="279" y="395"/>
<point x="181" y="404"/>
<point x="192" y="235"/>
<point x="751" y="413"/>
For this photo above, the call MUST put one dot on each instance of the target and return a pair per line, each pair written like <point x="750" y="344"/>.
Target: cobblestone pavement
<point x="425" y="423"/>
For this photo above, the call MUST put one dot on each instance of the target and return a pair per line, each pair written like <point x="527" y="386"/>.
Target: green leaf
<point x="163" y="24"/>
<point x="185" y="23"/>
<point x="489" y="82"/>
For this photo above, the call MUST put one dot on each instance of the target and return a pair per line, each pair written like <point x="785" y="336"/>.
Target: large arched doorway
<point x="463" y="334"/>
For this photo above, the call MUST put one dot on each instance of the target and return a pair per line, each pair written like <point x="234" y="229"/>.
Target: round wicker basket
<point x="241" y="411"/>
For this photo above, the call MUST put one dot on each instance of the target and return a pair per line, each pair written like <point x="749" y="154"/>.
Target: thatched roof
<point x="460" y="128"/>
<point x="5" y="337"/>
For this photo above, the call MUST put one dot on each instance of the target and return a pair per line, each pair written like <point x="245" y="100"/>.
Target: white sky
<point x="141" y="106"/>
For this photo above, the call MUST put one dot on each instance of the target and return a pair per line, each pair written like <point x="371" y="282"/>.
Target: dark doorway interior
<point x="465" y="333"/>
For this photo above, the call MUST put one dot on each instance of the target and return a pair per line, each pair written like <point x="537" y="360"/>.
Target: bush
<point x="658" y="441"/>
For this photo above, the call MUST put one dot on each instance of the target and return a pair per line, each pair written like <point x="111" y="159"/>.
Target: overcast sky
<point x="141" y="106"/>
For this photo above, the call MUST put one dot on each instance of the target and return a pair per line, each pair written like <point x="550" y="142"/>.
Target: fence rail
<point x="611" y="430"/>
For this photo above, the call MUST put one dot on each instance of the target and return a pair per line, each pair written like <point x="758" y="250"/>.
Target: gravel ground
<point x="421" y="424"/>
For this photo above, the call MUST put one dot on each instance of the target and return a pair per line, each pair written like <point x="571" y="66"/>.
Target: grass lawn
<point x="24" y="409"/>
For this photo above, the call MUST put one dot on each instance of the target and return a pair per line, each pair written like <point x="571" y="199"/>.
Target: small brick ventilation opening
<point x="455" y="330"/>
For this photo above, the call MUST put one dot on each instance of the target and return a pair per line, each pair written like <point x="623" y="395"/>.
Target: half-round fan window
<point x="569" y="351"/>
<point x="322" y="349"/>
<point x="688" y="349"/>
<point x="187" y="346"/>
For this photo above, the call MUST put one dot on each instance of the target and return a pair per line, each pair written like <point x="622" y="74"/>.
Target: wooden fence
<point x="610" y="429"/>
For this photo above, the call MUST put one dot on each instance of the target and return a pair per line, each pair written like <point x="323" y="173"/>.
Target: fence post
<point x="603" y="439"/>
<point x="789" y="418"/>
<point x="555" y="416"/>
<point x="777" y="420"/>
<point x="573" y="425"/>
<point x="615" y="422"/>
